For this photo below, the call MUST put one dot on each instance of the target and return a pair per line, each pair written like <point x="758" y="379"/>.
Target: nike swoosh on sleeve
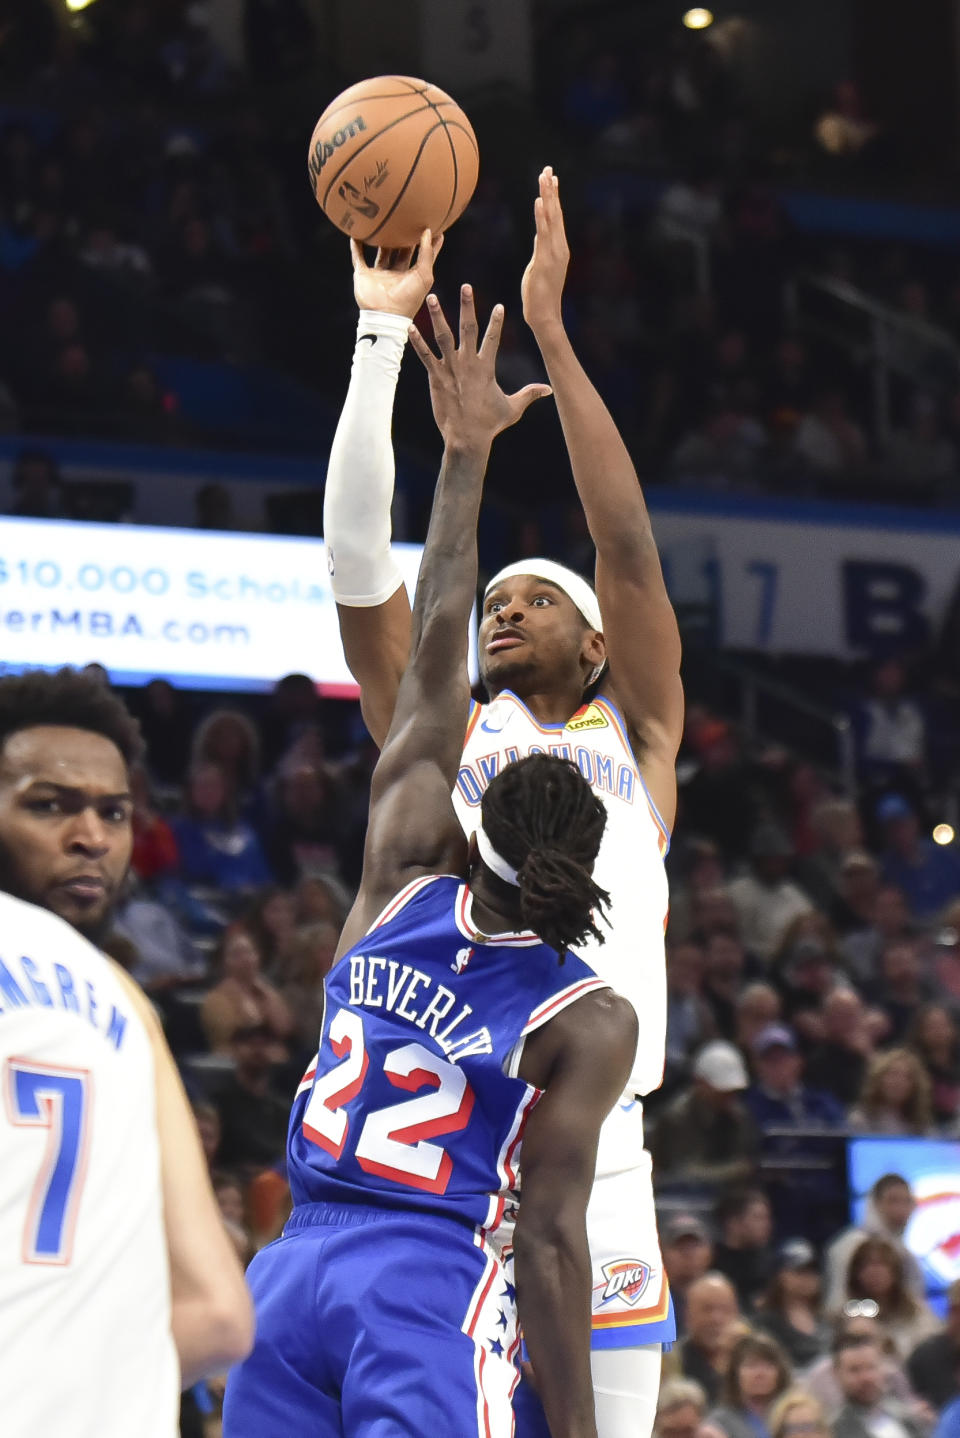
<point x="371" y="338"/>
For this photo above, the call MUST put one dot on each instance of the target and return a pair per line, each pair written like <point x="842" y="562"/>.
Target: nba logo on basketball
<point x="626" y="1278"/>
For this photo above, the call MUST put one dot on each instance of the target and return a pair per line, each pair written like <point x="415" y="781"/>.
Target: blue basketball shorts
<point x="376" y="1324"/>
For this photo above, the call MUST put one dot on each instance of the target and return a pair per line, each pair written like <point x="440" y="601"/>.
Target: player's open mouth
<point x="505" y="639"/>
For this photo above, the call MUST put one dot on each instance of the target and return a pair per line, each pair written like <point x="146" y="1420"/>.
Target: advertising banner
<point x="202" y="609"/>
<point x="809" y="578"/>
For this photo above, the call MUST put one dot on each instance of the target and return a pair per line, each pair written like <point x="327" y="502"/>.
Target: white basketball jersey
<point x="629" y="865"/>
<point x="85" y="1344"/>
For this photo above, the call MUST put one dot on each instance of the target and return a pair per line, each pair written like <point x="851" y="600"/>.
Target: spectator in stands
<point x="877" y="1273"/>
<point x="319" y="898"/>
<point x="797" y="1415"/>
<point x="718" y="801"/>
<point x="155" y="851"/>
<point x="778" y="1097"/>
<point x="743" y="1250"/>
<point x="892" y="732"/>
<point x="804" y="1197"/>
<point x="217" y="848"/>
<point x="308" y="832"/>
<point x="705" y="1135"/>
<point x="820" y="1380"/>
<point x="253" y="1114"/>
<point x="724" y="966"/>
<point x="243" y="998"/>
<point x="854" y="905"/>
<point x="806" y="967"/>
<point x="837" y="832"/>
<point x="934" y="1365"/>
<point x="687" y="1256"/>
<point x="896" y="1096"/>
<point x="883" y="921"/>
<point x="165" y="955"/>
<point x="271" y="921"/>
<point x="899" y="987"/>
<point x="865" y="1411"/>
<point x="766" y="900"/>
<point x="208" y="1127"/>
<point x="844" y="130"/>
<point x="704" y="1354"/>
<point x="946" y="958"/>
<point x="888" y="1211"/>
<point x="294" y="712"/>
<point x="681" y="1405"/>
<point x="229" y="1192"/>
<point x="837" y="1065"/>
<point x="758" y="1375"/>
<point x="228" y="740"/>
<point x="689" y="1020"/>
<point x="792" y="1311"/>
<point x="725" y="447"/>
<point x="304" y="963"/>
<point x="934" y="1037"/>
<point x="166" y="726"/>
<point x="712" y="912"/>
<point x="703" y="870"/>
<point x="928" y="873"/>
<point x="758" y="1006"/>
<point x="827" y="440"/>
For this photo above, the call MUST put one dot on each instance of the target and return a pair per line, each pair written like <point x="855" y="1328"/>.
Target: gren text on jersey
<point x="25" y="983"/>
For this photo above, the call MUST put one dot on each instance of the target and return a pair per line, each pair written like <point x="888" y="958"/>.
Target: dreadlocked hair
<point x="543" y="817"/>
<point x="70" y="698"/>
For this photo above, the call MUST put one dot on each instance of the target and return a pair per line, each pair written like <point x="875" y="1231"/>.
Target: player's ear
<point x="593" y="655"/>
<point x="473" y="853"/>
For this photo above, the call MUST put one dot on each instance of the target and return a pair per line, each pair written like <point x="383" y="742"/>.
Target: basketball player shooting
<point x="548" y="645"/>
<point x="117" y="1279"/>
<point x="456" y="1028"/>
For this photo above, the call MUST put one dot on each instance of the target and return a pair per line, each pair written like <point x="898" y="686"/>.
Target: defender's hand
<point x="395" y="282"/>
<point x="542" y="285"/>
<point x="469" y="406"/>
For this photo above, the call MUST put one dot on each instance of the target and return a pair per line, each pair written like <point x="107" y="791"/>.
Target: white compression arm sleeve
<point x="359" y="492"/>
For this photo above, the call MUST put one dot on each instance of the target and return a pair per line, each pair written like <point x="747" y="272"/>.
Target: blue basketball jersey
<point x="412" y="1102"/>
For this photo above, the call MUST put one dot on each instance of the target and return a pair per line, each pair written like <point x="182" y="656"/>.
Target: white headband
<point x="575" y="588"/>
<point x="494" y="861"/>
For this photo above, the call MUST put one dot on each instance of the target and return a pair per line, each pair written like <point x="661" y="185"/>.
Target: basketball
<point x="391" y="157"/>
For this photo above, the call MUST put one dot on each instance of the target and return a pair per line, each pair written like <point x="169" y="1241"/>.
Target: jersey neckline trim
<point x="463" y="912"/>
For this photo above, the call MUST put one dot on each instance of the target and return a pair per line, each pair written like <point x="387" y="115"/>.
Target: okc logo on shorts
<point x="626" y="1278"/>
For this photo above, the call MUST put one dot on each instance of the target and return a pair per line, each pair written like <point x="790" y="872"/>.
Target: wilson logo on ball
<point x="324" y="150"/>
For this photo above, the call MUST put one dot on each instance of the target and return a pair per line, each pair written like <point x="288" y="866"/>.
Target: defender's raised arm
<point x="413" y="828"/>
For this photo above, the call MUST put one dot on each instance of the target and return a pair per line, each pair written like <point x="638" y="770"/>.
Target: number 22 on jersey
<point x="58" y="1100"/>
<point x="394" y="1141"/>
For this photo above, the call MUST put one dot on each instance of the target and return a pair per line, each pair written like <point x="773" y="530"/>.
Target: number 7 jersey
<point x="412" y="1101"/>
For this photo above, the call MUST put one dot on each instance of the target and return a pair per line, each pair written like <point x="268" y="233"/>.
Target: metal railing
<point x="836" y="750"/>
<point x="889" y="340"/>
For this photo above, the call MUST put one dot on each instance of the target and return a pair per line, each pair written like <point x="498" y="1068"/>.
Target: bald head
<point x="842" y="1014"/>
<point x="711" y="1308"/>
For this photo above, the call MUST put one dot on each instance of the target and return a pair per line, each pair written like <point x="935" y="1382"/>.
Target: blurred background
<point x="764" y="219"/>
